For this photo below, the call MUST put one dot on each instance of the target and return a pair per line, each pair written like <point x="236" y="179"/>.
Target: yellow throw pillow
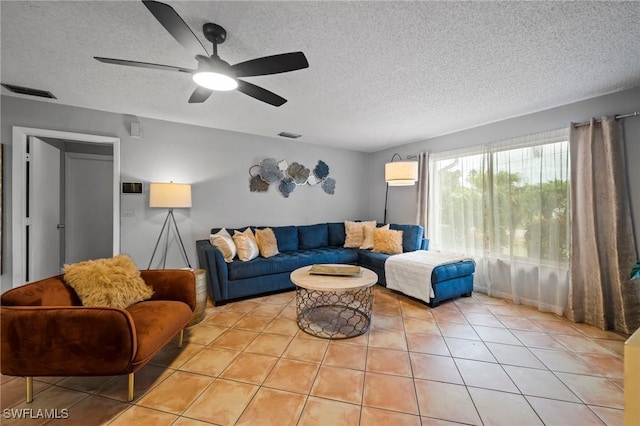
<point x="246" y="245"/>
<point x="387" y="241"/>
<point x="355" y="232"/>
<point x="367" y="243"/>
<point x="267" y="243"/>
<point x="114" y="282"/>
<point x="224" y="242"/>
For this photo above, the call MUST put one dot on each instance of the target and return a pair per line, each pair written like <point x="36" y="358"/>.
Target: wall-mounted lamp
<point x="399" y="173"/>
<point x="169" y="196"/>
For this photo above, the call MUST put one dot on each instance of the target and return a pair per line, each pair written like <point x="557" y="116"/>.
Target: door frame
<point x="19" y="189"/>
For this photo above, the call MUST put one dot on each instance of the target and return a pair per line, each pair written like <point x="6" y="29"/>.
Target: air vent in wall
<point x="29" y="91"/>
<point x="289" y="135"/>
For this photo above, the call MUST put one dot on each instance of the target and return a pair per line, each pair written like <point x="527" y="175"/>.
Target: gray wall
<point x="215" y="162"/>
<point x="402" y="200"/>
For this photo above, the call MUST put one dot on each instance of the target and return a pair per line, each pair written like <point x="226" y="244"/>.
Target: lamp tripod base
<point x="166" y="246"/>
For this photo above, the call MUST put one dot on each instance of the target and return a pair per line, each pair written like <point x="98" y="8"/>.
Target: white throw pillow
<point x="368" y="236"/>
<point x="246" y="245"/>
<point x="223" y="241"/>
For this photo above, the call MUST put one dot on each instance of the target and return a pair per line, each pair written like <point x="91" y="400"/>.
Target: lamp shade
<point x="401" y="173"/>
<point x="170" y="195"/>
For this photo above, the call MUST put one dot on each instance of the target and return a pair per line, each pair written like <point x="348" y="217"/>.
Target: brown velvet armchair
<point x="47" y="332"/>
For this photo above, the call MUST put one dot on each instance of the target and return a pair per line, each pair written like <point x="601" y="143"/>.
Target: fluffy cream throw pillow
<point x="114" y="282"/>
<point x="224" y="242"/>
<point x="267" y="243"/>
<point x="367" y="243"/>
<point x="246" y="245"/>
<point x="355" y="232"/>
<point x="387" y="241"/>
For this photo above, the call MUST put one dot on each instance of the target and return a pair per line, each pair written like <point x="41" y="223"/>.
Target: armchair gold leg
<point x="29" y="389"/>
<point x="181" y="339"/>
<point x="130" y="387"/>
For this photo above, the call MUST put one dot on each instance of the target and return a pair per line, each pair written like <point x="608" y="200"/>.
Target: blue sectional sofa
<point x="315" y="244"/>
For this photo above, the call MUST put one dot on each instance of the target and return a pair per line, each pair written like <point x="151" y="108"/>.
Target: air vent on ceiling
<point x="289" y="135"/>
<point x="29" y="91"/>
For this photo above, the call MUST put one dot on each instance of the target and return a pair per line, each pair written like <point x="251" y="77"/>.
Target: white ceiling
<point x="381" y="73"/>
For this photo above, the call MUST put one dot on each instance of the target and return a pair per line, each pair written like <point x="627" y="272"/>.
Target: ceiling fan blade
<point x="260" y="94"/>
<point x="176" y="26"/>
<point x="200" y="95"/>
<point x="142" y="65"/>
<point x="275" y="64"/>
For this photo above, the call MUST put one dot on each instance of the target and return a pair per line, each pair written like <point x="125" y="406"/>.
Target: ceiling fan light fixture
<point x="215" y="81"/>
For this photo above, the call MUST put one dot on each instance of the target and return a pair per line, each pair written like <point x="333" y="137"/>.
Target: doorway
<point x="23" y="244"/>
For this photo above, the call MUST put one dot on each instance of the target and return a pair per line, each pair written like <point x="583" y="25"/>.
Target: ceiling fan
<point x="213" y="73"/>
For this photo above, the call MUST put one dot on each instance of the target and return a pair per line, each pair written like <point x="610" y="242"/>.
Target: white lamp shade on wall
<point x="401" y="173"/>
<point x="170" y="195"/>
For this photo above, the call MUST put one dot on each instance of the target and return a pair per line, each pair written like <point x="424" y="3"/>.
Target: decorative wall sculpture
<point x="289" y="176"/>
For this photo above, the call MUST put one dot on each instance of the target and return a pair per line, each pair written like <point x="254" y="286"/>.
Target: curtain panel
<point x="601" y="293"/>
<point x="422" y="190"/>
<point x="506" y="205"/>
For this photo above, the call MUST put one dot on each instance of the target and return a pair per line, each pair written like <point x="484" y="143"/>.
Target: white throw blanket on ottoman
<point x="410" y="273"/>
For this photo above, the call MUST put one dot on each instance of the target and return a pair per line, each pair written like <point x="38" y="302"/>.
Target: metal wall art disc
<point x="287" y="186"/>
<point x="298" y="173"/>
<point x="283" y="165"/>
<point x="269" y="171"/>
<point x="321" y="170"/>
<point x="256" y="184"/>
<point x="329" y="185"/>
<point x="313" y="180"/>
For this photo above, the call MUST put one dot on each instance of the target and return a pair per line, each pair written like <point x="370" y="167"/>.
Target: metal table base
<point x="337" y="314"/>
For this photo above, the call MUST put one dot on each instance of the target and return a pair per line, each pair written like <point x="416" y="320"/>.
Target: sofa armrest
<point x="172" y="284"/>
<point x="425" y="244"/>
<point x="66" y="341"/>
<point x="212" y="260"/>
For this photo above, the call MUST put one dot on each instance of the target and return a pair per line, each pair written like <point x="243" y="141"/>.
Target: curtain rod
<point x="617" y="117"/>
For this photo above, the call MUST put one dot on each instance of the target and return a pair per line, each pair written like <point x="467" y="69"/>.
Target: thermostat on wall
<point x="132" y="187"/>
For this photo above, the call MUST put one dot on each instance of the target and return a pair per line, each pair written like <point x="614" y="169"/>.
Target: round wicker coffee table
<point x="333" y="306"/>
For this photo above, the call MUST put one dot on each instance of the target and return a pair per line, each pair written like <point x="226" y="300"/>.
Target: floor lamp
<point x="399" y="173"/>
<point x="169" y="196"/>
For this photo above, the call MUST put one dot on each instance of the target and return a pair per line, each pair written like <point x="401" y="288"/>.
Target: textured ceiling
<point x="381" y="73"/>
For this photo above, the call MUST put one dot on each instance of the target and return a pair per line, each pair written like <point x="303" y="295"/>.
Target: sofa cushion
<point x="452" y="270"/>
<point x="372" y="259"/>
<point x="267" y="243"/>
<point x="411" y="236"/>
<point x="387" y="241"/>
<point x="367" y="243"/>
<point x="290" y="261"/>
<point x="287" y="237"/>
<point x="113" y="282"/>
<point x="313" y="236"/>
<point x="336" y="233"/>
<point x="246" y="245"/>
<point x="355" y="232"/>
<point x="224" y="242"/>
<point x="156" y="322"/>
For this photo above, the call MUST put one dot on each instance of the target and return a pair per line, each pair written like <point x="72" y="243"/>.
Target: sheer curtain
<point x="506" y="205"/>
<point x="602" y="293"/>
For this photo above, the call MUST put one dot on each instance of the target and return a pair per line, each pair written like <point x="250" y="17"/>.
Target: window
<point x="506" y="204"/>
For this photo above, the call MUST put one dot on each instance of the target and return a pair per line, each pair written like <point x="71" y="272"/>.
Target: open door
<point x="43" y="210"/>
<point x="88" y="207"/>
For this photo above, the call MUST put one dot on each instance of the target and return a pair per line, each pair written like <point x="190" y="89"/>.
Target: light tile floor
<point x="477" y="360"/>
